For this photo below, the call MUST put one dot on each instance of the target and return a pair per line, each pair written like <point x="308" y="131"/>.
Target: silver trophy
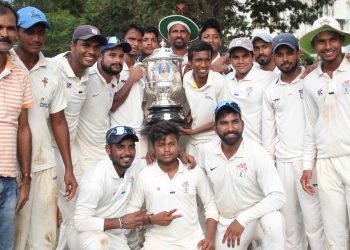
<point x="163" y="73"/>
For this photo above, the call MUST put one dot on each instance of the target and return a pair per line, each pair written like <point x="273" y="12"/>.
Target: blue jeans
<point x="8" y="200"/>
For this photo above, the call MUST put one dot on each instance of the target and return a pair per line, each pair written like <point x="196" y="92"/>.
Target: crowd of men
<point x="263" y="164"/>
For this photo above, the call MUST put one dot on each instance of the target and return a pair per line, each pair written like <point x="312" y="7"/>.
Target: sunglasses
<point x="121" y="130"/>
<point x="228" y="103"/>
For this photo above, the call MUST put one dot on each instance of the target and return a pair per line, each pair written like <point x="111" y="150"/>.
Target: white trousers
<point x="97" y="240"/>
<point x="36" y="222"/>
<point x="302" y="212"/>
<point x="269" y="229"/>
<point x="333" y="176"/>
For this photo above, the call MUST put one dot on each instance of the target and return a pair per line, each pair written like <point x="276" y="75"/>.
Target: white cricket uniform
<point x="75" y="93"/>
<point x="248" y="93"/>
<point x="327" y="141"/>
<point x="160" y="193"/>
<point x="130" y="112"/>
<point x="94" y="119"/>
<point x="202" y="102"/>
<point x="246" y="188"/>
<point x="283" y="126"/>
<point x="37" y="219"/>
<point x="103" y="195"/>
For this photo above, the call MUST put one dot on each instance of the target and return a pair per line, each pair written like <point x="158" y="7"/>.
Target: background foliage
<point x="238" y="17"/>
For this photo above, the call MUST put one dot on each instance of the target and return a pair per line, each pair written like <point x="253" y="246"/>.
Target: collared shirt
<point x="248" y="93"/>
<point x="74" y="91"/>
<point x="160" y="193"/>
<point x="247" y="185"/>
<point x="202" y="102"/>
<point x="103" y="195"/>
<point x="15" y="94"/>
<point x="283" y="119"/>
<point x="130" y="111"/>
<point x="48" y="96"/>
<point x="327" y="102"/>
<point x="94" y="118"/>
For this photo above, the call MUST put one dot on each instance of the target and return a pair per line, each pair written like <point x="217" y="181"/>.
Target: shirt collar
<point x="295" y="80"/>
<point x="344" y="65"/>
<point x="158" y="171"/>
<point x="238" y="154"/>
<point x="69" y="71"/>
<point x="249" y="76"/>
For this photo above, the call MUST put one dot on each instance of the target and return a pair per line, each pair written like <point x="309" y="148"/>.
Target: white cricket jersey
<point x="248" y="93"/>
<point x="94" y="118"/>
<point x="160" y="193"/>
<point x="130" y="112"/>
<point x="203" y="101"/>
<point x="48" y="98"/>
<point x="74" y="90"/>
<point x="327" y="115"/>
<point x="103" y="195"/>
<point x="247" y="185"/>
<point x="283" y="122"/>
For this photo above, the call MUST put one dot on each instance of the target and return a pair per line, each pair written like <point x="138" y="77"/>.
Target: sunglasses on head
<point x="121" y="130"/>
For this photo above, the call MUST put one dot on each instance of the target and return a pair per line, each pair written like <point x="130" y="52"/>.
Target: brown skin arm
<point x="208" y="243"/>
<point x="189" y="131"/>
<point x="24" y="157"/>
<point x="135" y="75"/>
<point x="61" y="133"/>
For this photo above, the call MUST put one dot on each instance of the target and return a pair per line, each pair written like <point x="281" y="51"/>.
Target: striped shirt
<point x="15" y="94"/>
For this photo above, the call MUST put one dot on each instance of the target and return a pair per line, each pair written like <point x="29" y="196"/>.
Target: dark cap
<point x="85" y="32"/>
<point x="113" y="42"/>
<point x="227" y="104"/>
<point x="117" y="134"/>
<point x="287" y="39"/>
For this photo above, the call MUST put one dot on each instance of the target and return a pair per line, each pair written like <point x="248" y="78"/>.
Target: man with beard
<point x="169" y="191"/>
<point x="38" y="217"/>
<point x="104" y="192"/>
<point x="248" y="192"/>
<point x="94" y="118"/>
<point x="73" y="65"/>
<point x="149" y="41"/>
<point x="15" y="137"/>
<point x="247" y="84"/>
<point x="283" y="126"/>
<point x="179" y="31"/>
<point x="130" y="90"/>
<point x="262" y="43"/>
<point x="327" y="137"/>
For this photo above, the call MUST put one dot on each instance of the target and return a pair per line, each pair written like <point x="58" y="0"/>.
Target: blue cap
<point x="227" y="104"/>
<point x="117" y="134"/>
<point x="29" y="16"/>
<point x="113" y="42"/>
<point x="287" y="39"/>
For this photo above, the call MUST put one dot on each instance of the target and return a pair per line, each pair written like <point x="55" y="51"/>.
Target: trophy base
<point x="171" y="113"/>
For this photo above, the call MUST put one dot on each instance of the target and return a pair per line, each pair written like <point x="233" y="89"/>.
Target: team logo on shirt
<point x="320" y="92"/>
<point x="301" y="93"/>
<point x="45" y="81"/>
<point x="43" y="104"/>
<point x="242" y="169"/>
<point x="131" y="180"/>
<point x="249" y="91"/>
<point x="185" y="187"/>
<point x="207" y="96"/>
<point x="69" y="85"/>
<point x="346" y="87"/>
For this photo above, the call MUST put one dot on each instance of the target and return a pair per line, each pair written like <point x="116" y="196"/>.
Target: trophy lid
<point x="162" y="53"/>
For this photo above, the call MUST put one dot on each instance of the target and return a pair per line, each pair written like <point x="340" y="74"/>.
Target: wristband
<point x="121" y="222"/>
<point x="149" y="219"/>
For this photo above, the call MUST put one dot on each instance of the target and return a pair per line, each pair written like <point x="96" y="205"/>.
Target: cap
<point x="29" y="16"/>
<point x="117" y="134"/>
<point x="167" y="22"/>
<point x="285" y="39"/>
<point x="241" y="42"/>
<point x="263" y="36"/>
<point x="227" y="104"/>
<point x="325" y="23"/>
<point x="85" y="32"/>
<point x="113" y="42"/>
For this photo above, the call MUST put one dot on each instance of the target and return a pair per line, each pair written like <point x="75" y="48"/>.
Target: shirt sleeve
<point x="271" y="186"/>
<point x="59" y="101"/>
<point x="27" y="93"/>
<point x="206" y="195"/>
<point x="269" y="130"/>
<point x="137" y="196"/>
<point x="311" y="115"/>
<point x="88" y="198"/>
